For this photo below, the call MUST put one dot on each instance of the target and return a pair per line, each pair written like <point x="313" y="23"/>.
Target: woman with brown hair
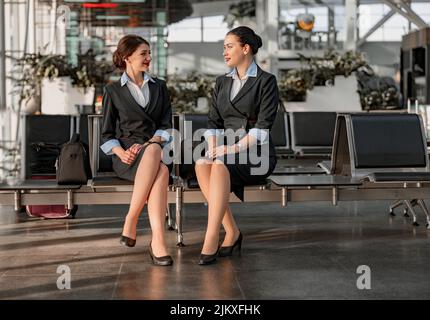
<point x="136" y="115"/>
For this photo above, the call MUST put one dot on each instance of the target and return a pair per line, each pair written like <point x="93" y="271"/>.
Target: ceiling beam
<point x="376" y="27"/>
<point x="405" y="10"/>
<point x="407" y="6"/>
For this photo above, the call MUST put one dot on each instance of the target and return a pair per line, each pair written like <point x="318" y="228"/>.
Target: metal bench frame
<point x="302" y="189"/>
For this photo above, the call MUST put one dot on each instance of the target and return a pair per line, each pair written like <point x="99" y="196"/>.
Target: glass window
<point x="190" y="30"/>
<point x="321" y="18"/>
<point x="214" y="29"/>
<point x="391" y="30"/>
<point x="421" y="8"/>
<point x="187" y="30"/>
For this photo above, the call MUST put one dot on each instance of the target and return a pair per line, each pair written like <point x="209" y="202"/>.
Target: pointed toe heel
<point x="228" y="251"/>
<point x="126" y="241"/>
<point x="206" y="259"/>
<point x="160" y="261"/>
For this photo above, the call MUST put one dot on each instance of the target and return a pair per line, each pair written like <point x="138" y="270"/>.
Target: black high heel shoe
<point x="126" y="241"/>
<point x="160" y="261"/>
<point x="228" y="251"/>
<point x="206" y="259"/>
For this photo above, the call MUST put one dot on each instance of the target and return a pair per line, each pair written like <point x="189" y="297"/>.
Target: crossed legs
<point x="214" y="181"/>
<point x="150" y="186"/>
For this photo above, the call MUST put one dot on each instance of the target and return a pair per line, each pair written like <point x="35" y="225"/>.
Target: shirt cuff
<point x="165" y="135"/>
<point x="260" y="134"/>
<point x="213" y="132"/>
<point x="109" y="145"/>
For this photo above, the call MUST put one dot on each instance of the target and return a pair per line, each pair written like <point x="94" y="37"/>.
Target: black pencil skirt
<point x="125" y="171"/>
<point x="241" y="174"/>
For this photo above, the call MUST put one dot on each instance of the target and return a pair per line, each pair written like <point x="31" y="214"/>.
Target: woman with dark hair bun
<point x="244" y="100"/>
<point x="136" y="115"/>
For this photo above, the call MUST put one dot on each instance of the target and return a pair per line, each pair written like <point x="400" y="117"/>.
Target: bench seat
<point x="398" y="177"/>
<point x="297" y="171"/>
<point x="314" y="181"/>
<point x="38" y="185"/>
<point x="109" y="181"/>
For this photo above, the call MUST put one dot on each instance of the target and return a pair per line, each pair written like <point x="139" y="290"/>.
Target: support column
<point x="53" y="25"/>
<point x="267" y="16"/>
<point x="331" y="36"/>
<point x="2" y="58"/>
<point x="351" y="18"/>
<point x="161" y="17"/>
<point x="272" y="26"/>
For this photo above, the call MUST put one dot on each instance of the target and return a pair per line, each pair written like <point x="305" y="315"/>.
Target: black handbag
<point x="42" y="157"/>
<point x="73" y="165"/>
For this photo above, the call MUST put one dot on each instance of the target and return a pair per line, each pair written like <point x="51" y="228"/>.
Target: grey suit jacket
<point x="255" y="105"/>
<point x="124" y="119"/>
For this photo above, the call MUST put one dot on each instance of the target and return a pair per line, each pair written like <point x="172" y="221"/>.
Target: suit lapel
<point x="153" y="96"/>
<point x="133" y="104"/>
<point x="246" y="87"/>
<point x="227" y="88"/>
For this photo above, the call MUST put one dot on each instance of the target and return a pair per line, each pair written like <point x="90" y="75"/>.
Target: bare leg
<point x="145" y="176"/>
<point x="203" y="172"/>
<point x="218" y="200"/>
<point x="157" y="206"/>
<point x="230" y="227"/>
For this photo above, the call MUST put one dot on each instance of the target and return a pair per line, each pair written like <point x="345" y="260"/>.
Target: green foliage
<point x="35" y="67"/>
<point x="239" y="10"/>
<point x="185" y="90"/>
<point x="317" y="71"/>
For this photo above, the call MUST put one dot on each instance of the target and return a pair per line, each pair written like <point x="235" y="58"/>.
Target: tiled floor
<point x="303" y="251"/>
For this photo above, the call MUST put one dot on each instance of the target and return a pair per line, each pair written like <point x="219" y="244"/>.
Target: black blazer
<point x="124" y="119"/>
<point x="255" y="106"/>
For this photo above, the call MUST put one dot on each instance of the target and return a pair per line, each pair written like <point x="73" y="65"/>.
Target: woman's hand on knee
<point x="135" y="148"/>
<point x="128" y="156"/>
<point x="221" y="151"/>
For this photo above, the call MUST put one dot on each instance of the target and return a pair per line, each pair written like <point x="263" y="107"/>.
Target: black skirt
<point x="246" y="174"/>
<point x="125" y="171"/>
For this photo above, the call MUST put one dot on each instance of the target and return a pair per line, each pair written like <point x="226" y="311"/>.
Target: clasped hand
<point x="220" y="151"/>
<point x="129" y="155"/>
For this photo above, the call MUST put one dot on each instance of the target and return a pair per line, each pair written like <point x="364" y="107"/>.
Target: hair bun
<point x="258" y="40"/>
<point x="247" y="36"/>
<point x="117" y="60"/>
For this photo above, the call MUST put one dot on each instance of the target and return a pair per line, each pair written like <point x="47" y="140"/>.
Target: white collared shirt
<point x="141" y="95"/>
<point x="238" y="83"/>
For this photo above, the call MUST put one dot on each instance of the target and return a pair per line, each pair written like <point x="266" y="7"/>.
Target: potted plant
<point x="192" y="93"/>
<point x="346" y="64"/>
<point x="92" y="72"/>
<point x="242" y="12"/>
<point x="293" y="85"/>
<point x="28" y="85"/>
<point x="63" y="86"/>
